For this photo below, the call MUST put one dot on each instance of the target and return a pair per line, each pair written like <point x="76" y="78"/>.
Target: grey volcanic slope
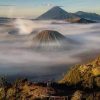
<point x="56" y="13"/>
<point x="91" y="16"/>
<point x="49" y="38"/>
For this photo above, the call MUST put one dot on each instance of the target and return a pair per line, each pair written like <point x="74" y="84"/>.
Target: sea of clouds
<point x="16" y="57"/>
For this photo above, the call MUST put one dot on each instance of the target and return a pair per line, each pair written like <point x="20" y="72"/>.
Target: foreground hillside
<point x="82" y="82"/>
<point x="86" y="75"/>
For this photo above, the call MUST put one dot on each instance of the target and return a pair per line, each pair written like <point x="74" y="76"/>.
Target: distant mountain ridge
<point x="57" y="13"/>
<point x="4" y="20"/>
<point x="80" y="20"/>
<point x="90" y="16"/>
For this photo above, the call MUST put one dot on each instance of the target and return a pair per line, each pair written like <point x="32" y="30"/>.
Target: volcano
<point x="50" y="38"/>
<point x="56" y="13"/>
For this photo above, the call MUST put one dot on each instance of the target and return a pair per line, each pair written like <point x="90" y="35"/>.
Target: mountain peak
<point x="56" y="8"/>
<point x="54" y="13"/>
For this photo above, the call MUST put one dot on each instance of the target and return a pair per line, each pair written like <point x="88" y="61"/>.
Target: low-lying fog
<point x="18" y="59"/>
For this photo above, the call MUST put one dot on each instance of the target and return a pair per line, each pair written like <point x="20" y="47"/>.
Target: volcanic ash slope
<point x="49" y="39"/>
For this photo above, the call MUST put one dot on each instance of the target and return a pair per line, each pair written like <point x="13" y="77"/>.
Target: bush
<point x="77" y="95"/>
<point x="10" y="93"/>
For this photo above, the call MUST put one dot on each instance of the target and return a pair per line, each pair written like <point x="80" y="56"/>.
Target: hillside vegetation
<point x="81" y="82"/>
<point x="86" y="75"/>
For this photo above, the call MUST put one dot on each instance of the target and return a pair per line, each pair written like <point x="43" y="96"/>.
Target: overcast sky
<point x="34" y="8"/>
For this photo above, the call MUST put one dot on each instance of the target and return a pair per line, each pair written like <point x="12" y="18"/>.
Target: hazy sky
<point x="34" y="8"/>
